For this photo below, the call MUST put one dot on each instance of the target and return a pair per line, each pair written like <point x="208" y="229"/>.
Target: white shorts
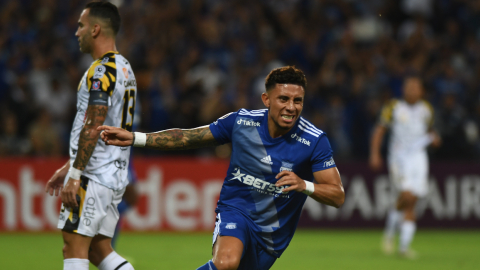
<point x="410" y="173"/>
<point x="97" y="212"/>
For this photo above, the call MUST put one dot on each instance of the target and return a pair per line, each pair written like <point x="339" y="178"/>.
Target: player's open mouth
<point x="288" y="117"/>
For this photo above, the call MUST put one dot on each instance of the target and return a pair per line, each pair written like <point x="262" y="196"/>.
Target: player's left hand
<point x="290" y="179"/>
<point x="69" y="193"/>
<point x="436" y="139"/>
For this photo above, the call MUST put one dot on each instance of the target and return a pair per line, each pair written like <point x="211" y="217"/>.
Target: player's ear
<point x="96" y="30"/>
<point x="266" y="99"/>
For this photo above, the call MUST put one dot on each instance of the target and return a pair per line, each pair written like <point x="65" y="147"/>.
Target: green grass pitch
<point x="320" y="249"/>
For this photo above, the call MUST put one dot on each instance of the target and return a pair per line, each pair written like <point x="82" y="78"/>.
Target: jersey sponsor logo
<point x="286" y="166"/>
<point x="89" y="212"/>
<point x="267" y="160"/>
<point x="104" y="60"/>
<point x="125" y="72"/>
<point x="260" y="185"/>
<point x="250" y="123"/>
<point x="130" y="83"/>
<point x="96" y="85"/>
<point x="329" y="163"/>
<point x="231" y="226"/>
<point x="99" y="71"/>
<point x="300" y="139"/>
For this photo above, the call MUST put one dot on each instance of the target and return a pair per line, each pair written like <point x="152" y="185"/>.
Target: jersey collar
<point x="107" y="53"/>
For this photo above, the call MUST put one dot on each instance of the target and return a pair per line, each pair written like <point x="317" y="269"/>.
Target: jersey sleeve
<point x="222" y="128"/>
<point x="322" y="157"/>
<point x="386" y="116"/>
<point x="101" y="80"/>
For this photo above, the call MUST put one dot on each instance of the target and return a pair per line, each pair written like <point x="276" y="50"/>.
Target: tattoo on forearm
<point x="89" y="135"/>
<point x="181" y="139"/>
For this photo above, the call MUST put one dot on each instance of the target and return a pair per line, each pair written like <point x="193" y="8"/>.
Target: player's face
<point x="285" y="104"/>
<point x="83" y="32"/>
<point x="412" y="90"/>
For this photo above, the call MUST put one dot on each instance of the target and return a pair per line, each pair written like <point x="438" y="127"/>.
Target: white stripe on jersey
<point x="258" y="111"/>
<point x="225" y="116"/>
<point x="245" y="112"/>
<point x="310" y="125"/>
<point x="308" y="128"/>
<point x="308" y="131"/>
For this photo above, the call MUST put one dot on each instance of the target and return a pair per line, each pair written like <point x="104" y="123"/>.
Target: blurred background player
<point x="410" y="121"/>
<point x="95" y="177"/>
<point x="264" y="191"/>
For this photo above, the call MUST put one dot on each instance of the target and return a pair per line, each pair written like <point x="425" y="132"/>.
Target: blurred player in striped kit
<point x="410" y="121"/>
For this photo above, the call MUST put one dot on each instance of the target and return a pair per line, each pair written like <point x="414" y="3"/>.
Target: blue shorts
<point x="254" y="256"/>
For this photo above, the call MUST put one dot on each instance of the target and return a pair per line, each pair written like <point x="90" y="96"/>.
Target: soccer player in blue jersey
<point x="278" y="159"/>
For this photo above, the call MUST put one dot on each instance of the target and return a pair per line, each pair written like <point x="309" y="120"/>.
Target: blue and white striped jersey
<point x="249" y="187"/>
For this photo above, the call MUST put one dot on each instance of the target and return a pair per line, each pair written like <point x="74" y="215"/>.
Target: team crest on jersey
<point x="99" y="71"/>
<point x="74" y="218"/>
<point x="286" y="166"/>
<point x="96" y="85"/>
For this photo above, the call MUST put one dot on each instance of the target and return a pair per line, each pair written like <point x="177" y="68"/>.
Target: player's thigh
<point x="231" y="238"/>
<point x="75" y="245"/>
<point x="406" y="200"/>
<point x="227" y="252"/>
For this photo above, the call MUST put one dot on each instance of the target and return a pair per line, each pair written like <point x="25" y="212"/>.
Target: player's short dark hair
<point x="288" y="75"/>
<point x="107" y="12"/>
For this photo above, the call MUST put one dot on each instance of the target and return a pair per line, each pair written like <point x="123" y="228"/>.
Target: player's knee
<point x="94" y="257"/>
<point x="65" y="251"/>
<point x="69" y="251"/>
<point x="226" y="262"/>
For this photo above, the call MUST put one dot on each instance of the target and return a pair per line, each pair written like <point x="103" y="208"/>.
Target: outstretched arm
<point x="171" y="139"/>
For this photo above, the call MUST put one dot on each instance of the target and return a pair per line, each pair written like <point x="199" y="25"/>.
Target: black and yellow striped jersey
<point x="109" y="81"/>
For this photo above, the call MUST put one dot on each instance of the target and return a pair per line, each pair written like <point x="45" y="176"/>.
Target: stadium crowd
<point x="196" y="60"/>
